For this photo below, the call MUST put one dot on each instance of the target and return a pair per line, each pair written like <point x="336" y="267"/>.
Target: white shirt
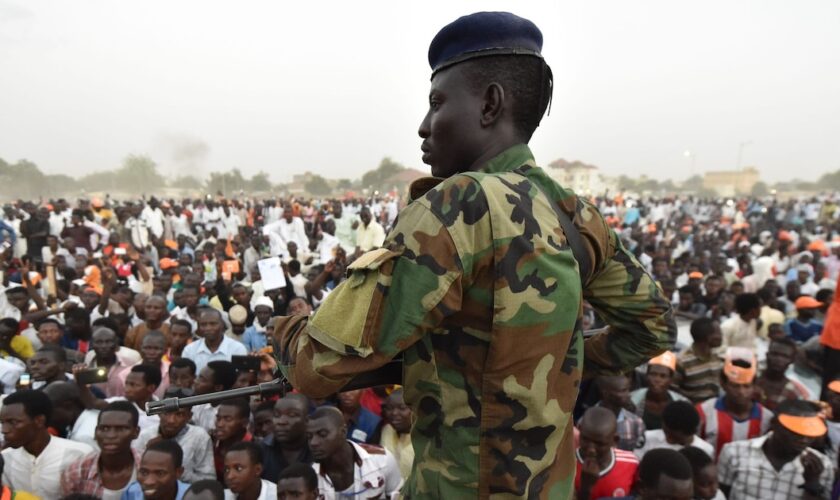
<point x="84" y="429"/>
<point x="656" y="439"/>
<point x="289" y="231"/>
<point x="41" y="475"/>
<point x="267" y="492"/>
<point x="326" y="247"/>
<point x="204" y="416"/>
<point x="370" y="237"/>
<point x="9" y="375"/>
<point x="201" y="354"/>
<point x="378" y="467"/>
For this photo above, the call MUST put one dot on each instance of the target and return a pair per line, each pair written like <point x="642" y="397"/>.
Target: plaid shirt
<point x="82" y="476"/>
<point x="630" y="429"/>
<point x="744" y="467"/>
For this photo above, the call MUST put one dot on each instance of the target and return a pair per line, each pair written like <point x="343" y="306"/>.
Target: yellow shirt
<point x="22" y="346"/>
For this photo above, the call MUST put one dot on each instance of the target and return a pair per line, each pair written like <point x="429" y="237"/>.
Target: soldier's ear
<point x="492" y="104"/>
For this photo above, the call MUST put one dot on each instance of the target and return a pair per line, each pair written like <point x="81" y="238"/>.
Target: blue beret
<point x="484" y="34"/>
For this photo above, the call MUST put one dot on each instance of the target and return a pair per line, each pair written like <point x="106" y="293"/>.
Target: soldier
<point x="479" y="288"/>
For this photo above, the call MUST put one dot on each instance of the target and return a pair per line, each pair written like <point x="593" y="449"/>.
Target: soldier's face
<point x="451" y="130"/>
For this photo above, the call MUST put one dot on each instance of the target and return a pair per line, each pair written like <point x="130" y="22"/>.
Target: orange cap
<point x="834" y="386"/>
<point x="667" y="359"/>
<point x="738" y="374"/>
<point x="810" y="426"/>
<point x="807" y="302"/>
<point x="818" y="245"/>
<point x="785" y="236"/>
<point x="172" y="244"/>
<point x="696" y="274"/>
<point x="167" y="263"/>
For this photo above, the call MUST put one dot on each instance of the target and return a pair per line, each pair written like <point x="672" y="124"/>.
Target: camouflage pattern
<point x="479" y="289"/>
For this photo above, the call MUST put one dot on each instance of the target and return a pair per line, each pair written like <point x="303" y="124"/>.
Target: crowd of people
<point x="109" y="305"/>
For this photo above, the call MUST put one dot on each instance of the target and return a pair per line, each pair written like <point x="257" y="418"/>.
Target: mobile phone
<point x="119" y="251"/>
<point x="245" y="363"/>
<point x="25" y="379"/>
<point x="93" y="376"/>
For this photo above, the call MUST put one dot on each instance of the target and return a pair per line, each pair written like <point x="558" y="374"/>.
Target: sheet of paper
<point x="271" y="273"/>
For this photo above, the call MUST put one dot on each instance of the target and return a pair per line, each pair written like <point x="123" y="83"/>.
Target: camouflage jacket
<point x="478" y="289"/>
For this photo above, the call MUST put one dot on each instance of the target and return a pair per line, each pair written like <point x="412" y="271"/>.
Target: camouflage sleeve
<point x="390" y="298"/>
<point x="640" y="318"/>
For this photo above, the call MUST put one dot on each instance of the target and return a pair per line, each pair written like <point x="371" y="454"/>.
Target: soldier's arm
<point x="640" y="317"/>
<point x="390" y="298"/>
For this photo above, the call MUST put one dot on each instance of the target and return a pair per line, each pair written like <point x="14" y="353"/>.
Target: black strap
<point x="573" y="237"/>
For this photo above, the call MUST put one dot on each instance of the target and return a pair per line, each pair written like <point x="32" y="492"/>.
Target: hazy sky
<point x="332" y="87"/>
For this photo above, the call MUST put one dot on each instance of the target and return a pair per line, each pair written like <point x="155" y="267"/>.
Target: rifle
<point x="390" y="373"/>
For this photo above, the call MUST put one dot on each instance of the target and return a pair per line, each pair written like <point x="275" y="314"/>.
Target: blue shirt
<point x="253" y="339"/>
<point x="6" y="229"/>
<point x="363" y="426"/>
<point x="800" y="331"/>
<point x="135" y="492"/>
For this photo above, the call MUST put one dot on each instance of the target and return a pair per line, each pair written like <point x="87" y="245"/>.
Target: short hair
<point x="224" y="373"/>
<point x="77" y="314"/>
<point x="241" y="404"/>
<point x="181" y="322"/>
<point x="151" y="374"/>
<point x="122" y="407"/>
<point x="10" y="323"/>
<point x="795" y="407"/>
<point x="215" y="488"/>
<point x="328" y="412"/>
<point x="155" y="334"/>
<point x="701" y="328"/>
<point x="527" y="79"/>
<point x="697" y="459"/>
<point x="267" y="405"/>
<point x="183" y="363"/>
<point x="746" y="302"/>
<point x="253" y="449"/>
<point x="294" y="265"/>
<point x="34" y="403"/>
<point x="681" y="416"/>
<point x="171" y="448"/>
<point x="47" y="321"/>
<point x="686" y="289"/>
<point x="302" y="471"/>
<point x="663" y="461"/>
<point x="823" y="294"/>
<point x="106" y="322"/>
<point x="58" y="353"/>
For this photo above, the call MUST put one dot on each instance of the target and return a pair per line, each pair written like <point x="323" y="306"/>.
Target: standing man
<point x="480" y="257"/>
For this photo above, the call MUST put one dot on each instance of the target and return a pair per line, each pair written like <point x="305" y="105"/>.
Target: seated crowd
<point x="106" y="307"/>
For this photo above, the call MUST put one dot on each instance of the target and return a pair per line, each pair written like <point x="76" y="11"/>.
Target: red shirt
<point x="617" y="479"/>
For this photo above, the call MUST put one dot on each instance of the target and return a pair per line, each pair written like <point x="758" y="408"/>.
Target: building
<point x="731" y="182"/>
<point x="580" y="177"/>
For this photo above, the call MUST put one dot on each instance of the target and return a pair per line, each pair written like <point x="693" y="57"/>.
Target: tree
<point x="760" y="189"/>
<point x="375" y="178"/>
<point x="226" y="182"/>
<point x="260" y="182"/>
<point x="318" y="186"/>
<point x="139" y="173"/>
<point x="187" y="182"/>
<point x="344" y="184"/>
<point x="693" y="183"/>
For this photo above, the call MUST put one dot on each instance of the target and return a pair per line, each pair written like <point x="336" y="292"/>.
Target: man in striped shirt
<point x="698" y="367"/>
<point x="734" y="416"/>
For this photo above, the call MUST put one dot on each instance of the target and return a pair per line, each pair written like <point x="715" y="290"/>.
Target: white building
<point x="581" y="178"/>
